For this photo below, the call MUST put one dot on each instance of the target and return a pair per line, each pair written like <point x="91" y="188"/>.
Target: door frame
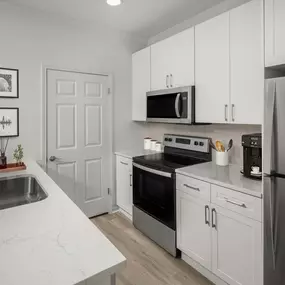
<point x="44" y="71"/>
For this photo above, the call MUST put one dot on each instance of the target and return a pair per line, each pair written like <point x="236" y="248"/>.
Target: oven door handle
<point x="177" y="105"/>
<point x="153" y="171"/>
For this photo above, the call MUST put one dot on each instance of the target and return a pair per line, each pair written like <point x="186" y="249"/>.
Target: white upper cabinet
<point x="140" y="83"/>
<point x="246" y="63"/>
<point x="172" y="61"/>
<point x="274" y="32"/>
<point x="236" y="248"/>
<point x="212" y="69"/>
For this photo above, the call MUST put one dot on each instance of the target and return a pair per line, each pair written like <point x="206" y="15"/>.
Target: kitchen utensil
<point x="230" y="145"/>
<point x="212" y="145"/>
<point x="220" y="146"/>
<point x="147" y="143"/>
<point x="255" y="169"/>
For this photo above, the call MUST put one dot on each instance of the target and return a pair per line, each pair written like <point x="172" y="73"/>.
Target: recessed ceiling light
<point x="114" y="2"/>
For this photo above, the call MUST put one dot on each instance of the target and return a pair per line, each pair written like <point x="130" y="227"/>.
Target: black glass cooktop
<point x="167" y="162"/>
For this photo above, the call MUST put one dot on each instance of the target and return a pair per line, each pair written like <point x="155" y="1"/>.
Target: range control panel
<point x="187" y="142"/>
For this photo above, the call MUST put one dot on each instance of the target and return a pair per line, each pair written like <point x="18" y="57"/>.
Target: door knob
<point x="52" y="158"/>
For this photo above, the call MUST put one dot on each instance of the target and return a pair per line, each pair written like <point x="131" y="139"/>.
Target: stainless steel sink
<point x="20" y="190"/>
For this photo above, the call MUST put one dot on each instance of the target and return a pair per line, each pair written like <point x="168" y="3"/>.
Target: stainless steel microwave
<point x="176" y="105"/>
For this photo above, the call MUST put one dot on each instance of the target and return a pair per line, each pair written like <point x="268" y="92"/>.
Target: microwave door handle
<point x="177" y="105"/>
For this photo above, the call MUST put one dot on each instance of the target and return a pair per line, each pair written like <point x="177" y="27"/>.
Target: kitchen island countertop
<point x="52" y="242"/>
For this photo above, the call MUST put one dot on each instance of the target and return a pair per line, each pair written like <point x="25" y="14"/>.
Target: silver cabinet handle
<point x="177" y="105"/>
<point x="226" y="112"/>
<point x="131" y="180"/>
<point x="191" y="187"/>
<point x="243" y="205"/>
<point x="233" y="109"/>
<point x="214" y="221"/>
<point x="207" y="212"/>
<point x="171" y="80"/>
<point x="124" y="163"/>
<point x="167" y="80"/>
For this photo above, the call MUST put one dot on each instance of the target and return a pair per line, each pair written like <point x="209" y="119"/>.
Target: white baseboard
<point x="205" y="272"/>
<point x="126" y="214"/>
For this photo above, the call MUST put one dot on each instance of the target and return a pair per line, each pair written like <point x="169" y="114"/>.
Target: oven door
<point x="154" y="193"/>
<point x="171" y="106"/>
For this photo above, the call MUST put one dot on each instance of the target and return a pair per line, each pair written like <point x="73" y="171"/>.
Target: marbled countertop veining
<point x="52" y="242"/>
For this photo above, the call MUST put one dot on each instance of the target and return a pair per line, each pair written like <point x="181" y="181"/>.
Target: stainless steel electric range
<point x="154" y="187"/>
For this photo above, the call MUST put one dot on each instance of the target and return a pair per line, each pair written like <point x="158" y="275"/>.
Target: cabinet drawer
<point x="124" y="161"/>
<point x="193" y="187"/>
<point x="243" y="204"/>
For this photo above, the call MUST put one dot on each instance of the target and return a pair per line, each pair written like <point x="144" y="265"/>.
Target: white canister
<point x="158" y="147"/>
<point x="222" y="158"/>
<point x="147" y="143"/>
<point x="153" y="144"/>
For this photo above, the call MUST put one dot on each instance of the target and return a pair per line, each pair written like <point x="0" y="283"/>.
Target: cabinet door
<point x="124" y="184"/>
<point x="212" y="64"/>
<point x="160" y="65"/>
<point x="274" y="32"/>
<point x="193" y="234"/>
<point x="236" y="248"/>
<point x="247" y="63"/>
<point x="140" y="83"/>
<point x="182" y="66"/>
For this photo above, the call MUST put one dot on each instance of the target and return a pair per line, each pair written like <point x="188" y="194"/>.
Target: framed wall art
<point x="9" y="122"/>
<point x="9" y="83"/>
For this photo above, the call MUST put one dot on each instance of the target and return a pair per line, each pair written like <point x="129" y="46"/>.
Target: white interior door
<point x="79" y="138"/>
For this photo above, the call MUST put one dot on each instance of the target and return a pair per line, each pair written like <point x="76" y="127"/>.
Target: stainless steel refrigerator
<point x="274" y="182"/>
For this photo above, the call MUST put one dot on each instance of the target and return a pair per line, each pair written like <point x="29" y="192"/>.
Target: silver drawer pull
<point x="243" y="205"/>
<point x="193" y="188"/>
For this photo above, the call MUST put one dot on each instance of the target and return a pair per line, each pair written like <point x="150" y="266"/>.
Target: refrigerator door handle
<point x="269" y="220"/>
<point x="269" y="126"/>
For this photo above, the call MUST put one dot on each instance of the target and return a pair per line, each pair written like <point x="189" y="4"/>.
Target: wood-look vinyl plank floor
<point x="147" y="263"/>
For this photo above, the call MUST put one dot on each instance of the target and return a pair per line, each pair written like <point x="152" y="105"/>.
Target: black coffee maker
<point x="252" y="156"/>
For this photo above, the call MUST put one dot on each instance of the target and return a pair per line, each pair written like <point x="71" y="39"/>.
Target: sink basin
<point x="20" y="190"/>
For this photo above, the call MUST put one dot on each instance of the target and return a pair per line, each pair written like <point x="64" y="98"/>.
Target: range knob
<point x="201" y="144"/>
<point x="195" y="143"/>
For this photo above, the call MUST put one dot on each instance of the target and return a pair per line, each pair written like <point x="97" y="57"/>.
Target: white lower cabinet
<point x="236" y="248"/>
<point x="193" y="232"/>
<point x="124" y="187"/>
<point x="227" y="242"/>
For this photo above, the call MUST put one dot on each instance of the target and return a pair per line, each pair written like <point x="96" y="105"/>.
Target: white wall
<point x="30" y="39"/>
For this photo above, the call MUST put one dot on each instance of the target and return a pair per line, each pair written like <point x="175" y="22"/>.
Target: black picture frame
<point x="2" y="93"/>
<point x="17" y="121"/>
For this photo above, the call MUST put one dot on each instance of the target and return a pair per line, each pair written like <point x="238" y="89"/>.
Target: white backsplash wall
<point x="216" y="132"/>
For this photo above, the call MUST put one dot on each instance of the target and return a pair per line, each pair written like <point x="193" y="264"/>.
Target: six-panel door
<point x="236" y="248"/>
<point x="193" y="228"/>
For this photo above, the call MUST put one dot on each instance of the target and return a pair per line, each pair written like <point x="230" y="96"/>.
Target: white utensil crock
<point x="222" y="158"/>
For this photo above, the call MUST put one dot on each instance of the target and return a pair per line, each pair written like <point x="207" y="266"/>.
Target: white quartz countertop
<point x="52" y="242"/>
<point x="134" y="152"/>
<point x="229" y="177"/>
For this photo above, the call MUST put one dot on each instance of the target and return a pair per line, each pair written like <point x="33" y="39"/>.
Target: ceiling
<point x="145" y="18"/>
